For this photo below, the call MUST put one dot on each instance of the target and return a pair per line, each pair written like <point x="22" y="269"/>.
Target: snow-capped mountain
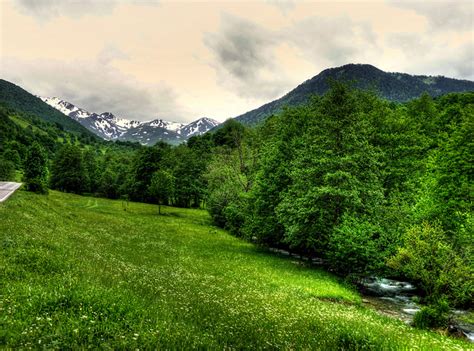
<point x="65" y="107"/>
<point x="198" y="127"/>
<point x="111" y="127"/>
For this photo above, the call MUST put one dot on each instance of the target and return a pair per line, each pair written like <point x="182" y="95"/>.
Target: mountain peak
<point x="198" y="127"/>
<point x="108" y="115"/>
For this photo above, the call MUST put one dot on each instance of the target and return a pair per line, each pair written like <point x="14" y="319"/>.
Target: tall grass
<point x="80" y="272"/>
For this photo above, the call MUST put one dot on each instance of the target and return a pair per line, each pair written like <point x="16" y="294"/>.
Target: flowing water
<point x="399" y="299"/>
<point x="394" y="298"/>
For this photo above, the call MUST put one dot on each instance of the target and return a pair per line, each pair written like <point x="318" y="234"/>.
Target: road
<point x="6" y="189"/>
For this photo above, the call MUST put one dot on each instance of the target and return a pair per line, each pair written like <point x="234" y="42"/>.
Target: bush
<point x="435" y="315"/>
<point x="428" y="257"/>
<point x="234" y="217"/>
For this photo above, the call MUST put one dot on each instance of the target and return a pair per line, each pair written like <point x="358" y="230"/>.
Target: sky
<point x="182" y="60"/>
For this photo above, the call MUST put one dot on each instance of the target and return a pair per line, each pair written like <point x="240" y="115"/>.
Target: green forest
<point x="371" y="187"/>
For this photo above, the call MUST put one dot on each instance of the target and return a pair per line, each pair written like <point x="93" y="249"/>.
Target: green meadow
<point x="80" y="272"/>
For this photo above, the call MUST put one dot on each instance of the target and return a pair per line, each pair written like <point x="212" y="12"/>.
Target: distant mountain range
<point x="110" y="127"/>
<point x="391" y="86"/>
<point x="397" y="87"/>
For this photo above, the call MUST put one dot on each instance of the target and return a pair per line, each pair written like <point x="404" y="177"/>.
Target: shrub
<point x="354" y="247"/>
<point x="428" y="257"/>
<point x="435" y="315"/>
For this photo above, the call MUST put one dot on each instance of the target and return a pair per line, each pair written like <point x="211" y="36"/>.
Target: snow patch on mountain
<point x="111" y="127"/>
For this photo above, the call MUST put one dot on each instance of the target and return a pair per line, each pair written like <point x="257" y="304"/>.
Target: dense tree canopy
<point x="371" y="187"/>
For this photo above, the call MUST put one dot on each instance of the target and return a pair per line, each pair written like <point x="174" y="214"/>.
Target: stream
<point x="398" y="299"/>
<point x="394" y="298"/>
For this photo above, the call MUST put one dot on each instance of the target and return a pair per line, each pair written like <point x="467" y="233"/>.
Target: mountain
<point x="110" y="127"/>
<point x="17" y="98"/>
<point x="106" y="125"/>
<point x="397" y="87"/>
<point x="198" y="127"/>
<point x="148" y="133"/>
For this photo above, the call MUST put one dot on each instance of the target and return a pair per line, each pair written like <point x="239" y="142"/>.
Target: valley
<point x="236" y="175"/>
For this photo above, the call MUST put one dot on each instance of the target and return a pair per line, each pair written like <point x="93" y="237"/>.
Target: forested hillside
<point x="398" y="87"/>
<point x="19" y="132"/>
<point x="20" y="100"/>
<point x="369" y="186"/>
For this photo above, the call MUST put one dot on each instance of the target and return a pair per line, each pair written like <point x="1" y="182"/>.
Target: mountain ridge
<point x="393" y="86"/>
<point x="110" y="127"/>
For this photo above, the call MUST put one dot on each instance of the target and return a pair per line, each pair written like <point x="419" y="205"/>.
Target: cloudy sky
<point x="181" y="60"/>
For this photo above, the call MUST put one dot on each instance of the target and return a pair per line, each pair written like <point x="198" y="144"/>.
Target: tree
<point x="335" y="174"/>
<point x="13" y="156"/>
<point x="226" y="188"/>
<point x="91" y="171"/>
<point x="36" y="169"/>
<point x="107" y="184"/>
<point x="278" y="139"/>
<point x="161" y="187"/>
<point x="7" y="170"/>
<point x="188" y="167"/>
<point x="68" y="171"/>
<point x="230" y="134"/>
<point x="146" y="162"/>
<point x="230" y="176"/>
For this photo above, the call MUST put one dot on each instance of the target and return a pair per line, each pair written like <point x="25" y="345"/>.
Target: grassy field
<point x="80" y="272"/>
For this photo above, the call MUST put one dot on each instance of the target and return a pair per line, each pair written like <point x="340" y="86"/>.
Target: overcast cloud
<point x="334" y="41"/>
<point x="454" y="15"/>
<point x="244" y="58"/>
<point x="45" y="10"/>
<point x="183" y="60"/>
<point x="96" y="87"/>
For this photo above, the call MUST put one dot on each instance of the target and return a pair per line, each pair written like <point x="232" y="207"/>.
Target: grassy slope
<point x="78" y="271"/>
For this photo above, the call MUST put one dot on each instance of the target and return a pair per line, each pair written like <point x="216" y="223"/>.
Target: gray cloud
<point x="111" y="52"/>
<point x="335" y="41"/>
<point x="456" y="62"/>
<point x="414" y="45"/>
<point x="455" y="15"/>
<point x="285" y="6"/>
<point x="94" y="86"/>
<point x="242" y="46"/>
<point x="244" y="58"/>
<point x="431" y="55"/>
<point x="45" y="10"/>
